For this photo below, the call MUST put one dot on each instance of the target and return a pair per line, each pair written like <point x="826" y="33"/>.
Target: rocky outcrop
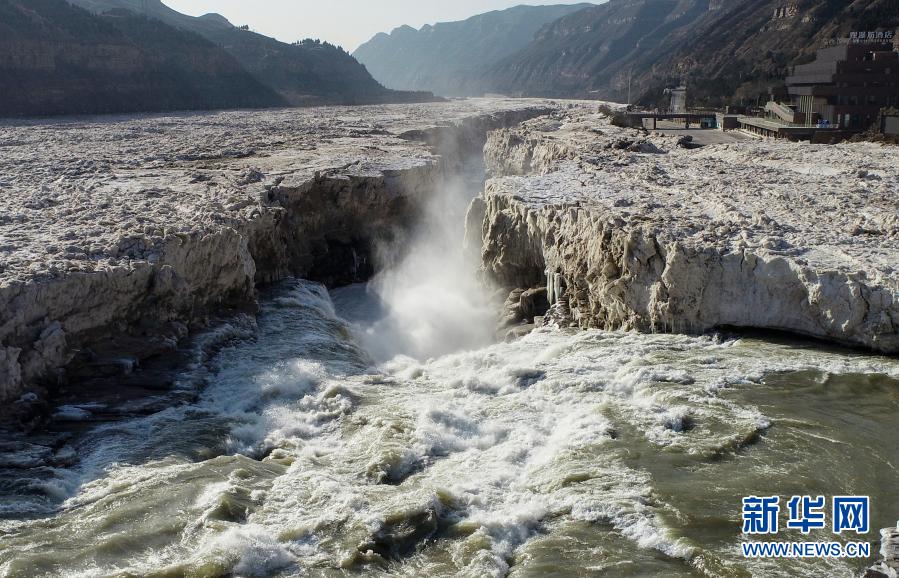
<point x="526" y="152"/>
<point x="761" y="235"/>
<point x="123" y="258"/>
<point x="322" y="229"/>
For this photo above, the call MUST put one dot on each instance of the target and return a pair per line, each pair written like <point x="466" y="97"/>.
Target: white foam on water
<point x="441" y="431"/>
<point x="247" y="550"/>
<point x="499" y="444"/>
<point x="431" y="300"/>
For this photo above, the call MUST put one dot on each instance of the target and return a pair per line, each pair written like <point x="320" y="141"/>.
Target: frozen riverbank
<point x="375" y="429"/>
<point x="632" y="231"/>
<point x="118" y="235"/>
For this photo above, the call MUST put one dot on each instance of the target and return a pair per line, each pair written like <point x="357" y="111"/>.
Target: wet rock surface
<point x="521" y="311"/>
<point x="888" y="565"/>
<point x="631" y="230"/>
<point x="120" y="234"/>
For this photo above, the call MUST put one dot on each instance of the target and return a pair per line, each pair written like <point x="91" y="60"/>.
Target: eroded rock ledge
<point x="119" y="235"/>
<point x="629" y="230"/>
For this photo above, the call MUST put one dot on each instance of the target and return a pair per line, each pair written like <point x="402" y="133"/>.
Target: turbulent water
<point x="378" y="430"/>
<point x="566" y="453"/>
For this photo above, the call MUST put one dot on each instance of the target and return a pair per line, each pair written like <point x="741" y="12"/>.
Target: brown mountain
<point x="743" y="50"/>
<point x="591" y="52"/>
<point x="725" y="50"/>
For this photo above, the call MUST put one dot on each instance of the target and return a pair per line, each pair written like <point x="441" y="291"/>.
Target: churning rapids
<point x="379" y="430"/>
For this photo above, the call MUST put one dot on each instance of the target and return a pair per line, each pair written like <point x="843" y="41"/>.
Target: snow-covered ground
<point x="81" y="194"/>
<point x="141" y="226"/>
<point x="835" y="206"/>
<point x="700" y="237"/>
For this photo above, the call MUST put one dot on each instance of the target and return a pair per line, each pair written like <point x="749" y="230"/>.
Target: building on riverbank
<point x="841" y="92"/>
<point x="847" y="84"/>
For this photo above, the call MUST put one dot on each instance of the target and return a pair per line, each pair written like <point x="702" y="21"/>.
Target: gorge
<point x="339" y="402"/>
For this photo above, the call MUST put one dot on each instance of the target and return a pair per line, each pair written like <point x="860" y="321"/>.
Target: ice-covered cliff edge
<point x="631" y="231"/>
<point x="118" y="235"/>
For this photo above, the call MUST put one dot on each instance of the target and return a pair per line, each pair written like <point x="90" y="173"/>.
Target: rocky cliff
<point x="742" y="50"/>
<point x="628" y="231"/>
<point x="449" y="57"/>
<point x="591" y="52"/>
<point x="114" y="248"/>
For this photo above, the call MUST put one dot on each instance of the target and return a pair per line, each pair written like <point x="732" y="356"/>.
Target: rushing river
<point x="381" y="430"/>
<point x="565" y="453"/>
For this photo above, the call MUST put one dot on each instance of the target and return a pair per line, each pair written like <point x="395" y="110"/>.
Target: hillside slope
<point x="448" y="58"/>
<point x="56" y="58"/>
<point x="306" y="73"/>
<point x="745" y="50"/>
<point x="585" y="53"/>
<point x="725" y="50"/>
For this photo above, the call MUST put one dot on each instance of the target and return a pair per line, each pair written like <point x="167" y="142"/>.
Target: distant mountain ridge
<point x="591" y="52"/>
<point x="306" y="73"/>
<point x="103" y="56"/>
<point x="449" y="57"/>
<point x="727" y="51"/>
<point x="56" y="58"/>
<point x="156" y="9"/>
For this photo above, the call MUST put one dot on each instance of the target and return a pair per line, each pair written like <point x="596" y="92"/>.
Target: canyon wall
<point x="189" y="256"/>
<point x="322" y="229"/>
<point x="629" y="231"/>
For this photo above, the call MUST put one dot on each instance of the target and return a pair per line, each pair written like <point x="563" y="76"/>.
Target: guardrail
<point x="782" y="111"/>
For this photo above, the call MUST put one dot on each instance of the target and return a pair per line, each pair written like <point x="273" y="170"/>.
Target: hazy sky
<point x="347" y="23"/>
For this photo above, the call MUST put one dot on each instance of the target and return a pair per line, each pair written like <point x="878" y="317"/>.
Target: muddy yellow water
<point x="565" y="453"/>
